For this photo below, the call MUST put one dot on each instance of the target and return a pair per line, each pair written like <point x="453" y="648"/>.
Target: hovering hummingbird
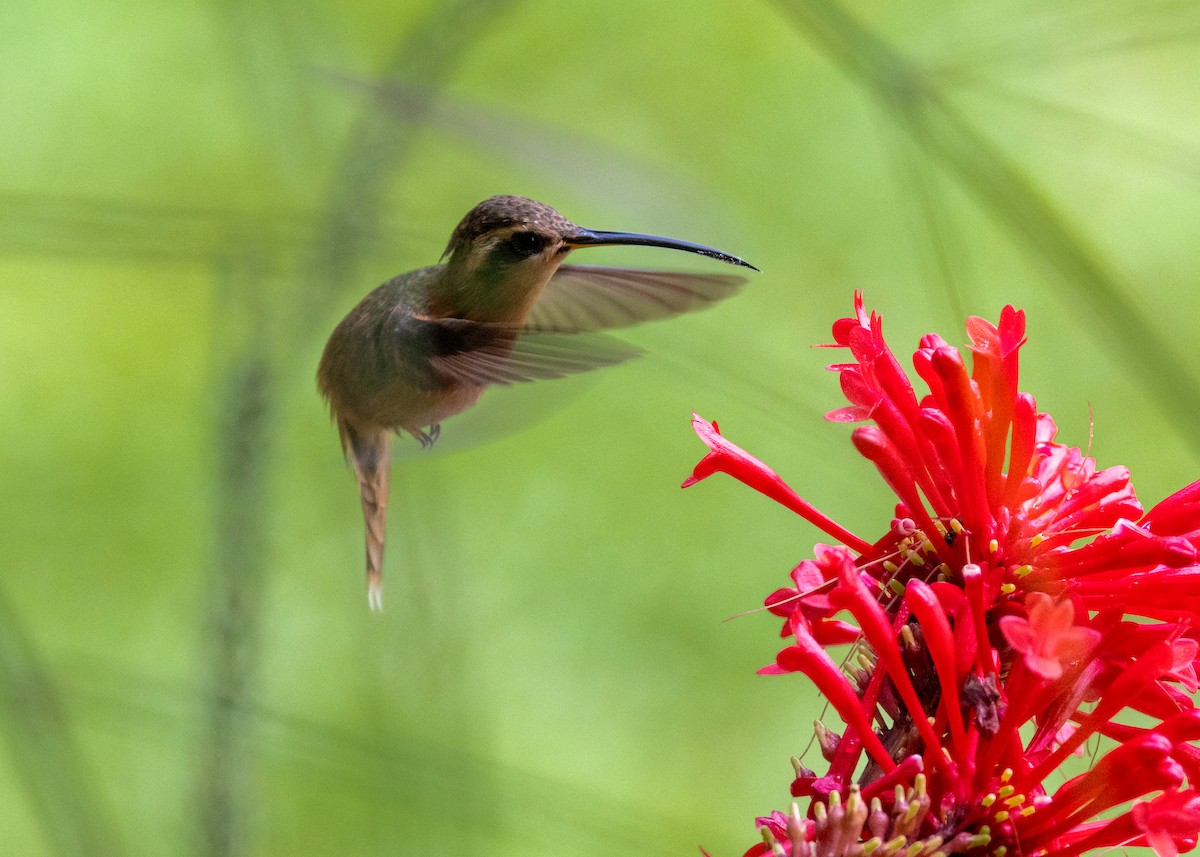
<point x="502" y="307"/>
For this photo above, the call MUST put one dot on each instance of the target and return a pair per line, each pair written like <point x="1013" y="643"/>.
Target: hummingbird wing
<point x="585" y="297"/>
<point x="456" y="350"/>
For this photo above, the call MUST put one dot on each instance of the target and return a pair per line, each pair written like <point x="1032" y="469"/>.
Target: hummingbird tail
<point x="369" y="453"/>
<point x="375" y="591"/>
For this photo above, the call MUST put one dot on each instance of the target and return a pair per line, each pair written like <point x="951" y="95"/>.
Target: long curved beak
<point x="596" y="238"/>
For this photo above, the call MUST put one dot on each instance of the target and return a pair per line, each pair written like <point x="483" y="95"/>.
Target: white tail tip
<point x="375" y="596"/>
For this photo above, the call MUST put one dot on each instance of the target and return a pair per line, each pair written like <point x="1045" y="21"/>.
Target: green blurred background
<point x="192" y="194"/>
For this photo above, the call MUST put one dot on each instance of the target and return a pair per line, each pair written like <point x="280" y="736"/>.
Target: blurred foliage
<point x="191" y="195"/>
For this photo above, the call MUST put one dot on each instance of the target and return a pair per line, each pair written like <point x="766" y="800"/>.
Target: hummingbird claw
<point x="427" y="438"/>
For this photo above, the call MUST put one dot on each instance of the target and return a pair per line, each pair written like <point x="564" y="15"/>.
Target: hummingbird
<point x="501" y="307"/>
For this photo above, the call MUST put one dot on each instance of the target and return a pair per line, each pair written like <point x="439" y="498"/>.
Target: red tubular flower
<point x="741" y="465"/>
<point x="1019" y="605"/>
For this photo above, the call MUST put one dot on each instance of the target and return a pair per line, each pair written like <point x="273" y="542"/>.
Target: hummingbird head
<point x="501" y="255"/>
<point x="507" y="248"/>
<point x="507" y="231"/>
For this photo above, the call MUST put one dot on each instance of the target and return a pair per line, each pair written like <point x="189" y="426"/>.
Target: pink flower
<point x="1048" y="639"/>
<point x="1018" y="601"/>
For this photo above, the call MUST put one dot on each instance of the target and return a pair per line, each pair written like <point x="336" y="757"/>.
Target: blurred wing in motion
<point x="584" y="297"/>
<point x="430" y="353"/>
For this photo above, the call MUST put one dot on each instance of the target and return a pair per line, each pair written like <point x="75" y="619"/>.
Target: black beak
<point x="596" y="238"/>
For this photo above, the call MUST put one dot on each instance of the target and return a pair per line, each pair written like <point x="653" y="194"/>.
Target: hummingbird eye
<point x="525" y="244"/>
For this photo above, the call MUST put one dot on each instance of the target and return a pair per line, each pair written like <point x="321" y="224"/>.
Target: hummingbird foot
<point x="427" y="438"/>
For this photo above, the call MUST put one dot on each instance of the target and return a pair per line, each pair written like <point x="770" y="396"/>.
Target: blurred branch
<point x="1018" y="202"/>
<point x="619" y="179"/>
<point x="277" y="116"/>
<point x="122" y="229"/>
<point x="941" y="236"/>
<point x="110" y="228"/>
<point x="277" y="106"/>
<point x="379" y="147"/>
<point x="1035" y="41"/>
<point x="1150" y="146"/>
<point x="244" y="438"/>
<point x="403" y="773"/>
<point x="246" y="408"/>
<point x="61" y="789"/>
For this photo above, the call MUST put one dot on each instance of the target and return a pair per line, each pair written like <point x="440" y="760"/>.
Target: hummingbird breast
<point x="376" y="373"/>
<point x="403" y="407"/>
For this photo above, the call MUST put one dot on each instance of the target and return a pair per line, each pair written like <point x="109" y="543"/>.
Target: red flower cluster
<point x="1019" y="602"/>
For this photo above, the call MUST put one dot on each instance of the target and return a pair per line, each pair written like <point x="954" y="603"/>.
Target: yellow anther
<point x="940" y="527"/>
<point x="1015" y="801"/>
<point x="914" y="849"/>
<point x="956" y="525"/>
<point x="1000" y="851"/>
<point x="871" y="844"/>
<point x="1007" y="588"/>
<point x="906" y="636"/>
<point x="993" y="546"/>
<point x="1005" y="791"/>
<point x="987" y="801"/>
<point x="1001" y="816"/>
<point x="914" y="557"/>
<point x="1022" y="570"/>
<point x="928" y="547"/>
<point x="896" y="586"/>
<point x="894" y="845"/>
<point x="1006" y="775"/>
<point x="1028" y="811"/>
<point x="890" y="567"/>
<point x="1036" y="540"/>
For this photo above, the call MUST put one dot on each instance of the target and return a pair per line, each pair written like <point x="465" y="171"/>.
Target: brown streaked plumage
<point x="501" y="308"/>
